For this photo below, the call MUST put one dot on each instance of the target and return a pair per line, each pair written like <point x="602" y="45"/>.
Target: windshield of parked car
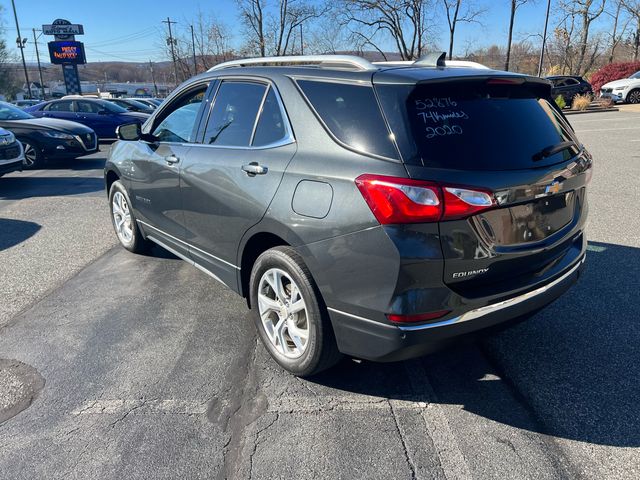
<point x="111" y="107"/>
<point x="10" y="112"/>
<point x="635" y="75"/>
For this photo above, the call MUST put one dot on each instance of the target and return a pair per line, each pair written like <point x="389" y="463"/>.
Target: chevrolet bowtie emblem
<point x="553" y="187"/>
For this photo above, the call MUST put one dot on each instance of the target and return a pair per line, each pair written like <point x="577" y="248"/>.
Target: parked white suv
<point x="11" y="152"/>
<point x="624" y="90"/>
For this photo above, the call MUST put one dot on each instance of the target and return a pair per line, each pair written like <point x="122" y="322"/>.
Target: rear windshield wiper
<point x="553" y="149"/>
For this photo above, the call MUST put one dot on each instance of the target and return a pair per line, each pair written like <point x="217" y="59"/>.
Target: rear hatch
<point x="495" y="136"/>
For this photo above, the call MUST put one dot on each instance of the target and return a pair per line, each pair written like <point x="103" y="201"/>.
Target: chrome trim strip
<point x="186" y="259"/>
<point x="187" y="244"/>
<point x="494" y="307"/>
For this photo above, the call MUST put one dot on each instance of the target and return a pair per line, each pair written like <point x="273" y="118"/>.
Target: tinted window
<point x="352" y="114"/>
<point x="9" y="112"/>
<point x="88" y="107"/>
<point x="234" y="114"/>
<point x="178" y="122"/>
<point x="270" y="128"/>
<point x="475" y="126"/>
<point x="64" y="106"/>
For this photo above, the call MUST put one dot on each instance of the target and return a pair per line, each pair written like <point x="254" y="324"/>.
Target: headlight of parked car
<point x="9" y="138"/>
<point x="54" y="134"/>
<point x="618" y="89"/>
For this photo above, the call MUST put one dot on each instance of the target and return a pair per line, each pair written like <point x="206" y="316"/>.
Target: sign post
<point x="65" y="51"/>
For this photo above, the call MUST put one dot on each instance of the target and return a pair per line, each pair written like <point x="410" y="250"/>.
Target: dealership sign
<point x="63" y="29"/>
<point x="67" y="52"/>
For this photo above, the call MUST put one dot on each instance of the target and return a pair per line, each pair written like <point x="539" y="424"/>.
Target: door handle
<point x="171" y="159"/>
<point x="254" y="169"/>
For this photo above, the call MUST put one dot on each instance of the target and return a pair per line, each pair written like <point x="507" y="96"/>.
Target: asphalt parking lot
<point x="142" y="367"/>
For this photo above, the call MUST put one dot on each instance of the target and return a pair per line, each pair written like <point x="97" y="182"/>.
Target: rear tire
<point x="289" y="313"/>
<point x="634" y="96"/>
<point x="123" y="220"/>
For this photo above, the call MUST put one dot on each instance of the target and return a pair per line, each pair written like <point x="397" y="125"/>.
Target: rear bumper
<point x="372" y="340"/>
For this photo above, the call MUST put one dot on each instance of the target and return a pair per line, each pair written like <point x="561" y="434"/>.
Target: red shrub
<point x="611" y="72"/>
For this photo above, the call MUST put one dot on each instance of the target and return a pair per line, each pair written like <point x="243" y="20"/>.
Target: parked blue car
<point x="101" y="116"/>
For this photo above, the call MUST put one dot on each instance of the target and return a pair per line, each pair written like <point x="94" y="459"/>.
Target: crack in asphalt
<point x="403" y="441"/>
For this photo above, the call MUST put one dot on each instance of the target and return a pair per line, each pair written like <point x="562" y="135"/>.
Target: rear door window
<point x="473" y="125"/>
<point x="63" y="106"/>
<point x="352" y="115"/>
<point x="271" y="124"/>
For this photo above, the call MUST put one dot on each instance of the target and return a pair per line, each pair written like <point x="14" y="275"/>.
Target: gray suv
<point x="368" y="210"/>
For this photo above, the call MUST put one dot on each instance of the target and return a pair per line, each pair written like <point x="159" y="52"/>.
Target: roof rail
<point x="333" y="61"/>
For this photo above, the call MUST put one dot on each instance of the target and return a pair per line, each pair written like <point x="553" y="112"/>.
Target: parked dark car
<point x="131" y="105"/>
<point x="370" y="210"/>
<point x="11" y="154"/>
<point x="47" y="138"/>
<point x="101" y="116"/>
<point x="152" y="103"/>
<point x="568" y="86"/>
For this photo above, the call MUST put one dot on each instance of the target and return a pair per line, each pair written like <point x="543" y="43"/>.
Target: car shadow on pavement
<point x="93" y="163"/>
<point x="572" y="371"/>
<point x="18" y="188"/>
<point x="15" y="232"/>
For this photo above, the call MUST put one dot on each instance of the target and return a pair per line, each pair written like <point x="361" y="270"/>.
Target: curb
<point x="599" y="110"/>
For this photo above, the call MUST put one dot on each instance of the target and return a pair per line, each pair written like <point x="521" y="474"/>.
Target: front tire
<point x="33" y="157"/>
<point x="123" y="220"/>
<point x="634" y="96"/>
<point x="290" y="316"/>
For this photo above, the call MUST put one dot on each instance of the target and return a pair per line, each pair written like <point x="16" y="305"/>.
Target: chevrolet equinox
<point x="362" y="209"/>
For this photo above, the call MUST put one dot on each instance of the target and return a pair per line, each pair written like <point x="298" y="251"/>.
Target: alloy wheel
<point x="122" y="218"/>
<point x="283" y="313"/>
<point x="30" y="155"/>
<point x="634" y="97"/>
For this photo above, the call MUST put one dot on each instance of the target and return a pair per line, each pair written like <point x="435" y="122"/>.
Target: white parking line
<point x="623" y="117"/>
<point x="607" y="129"/>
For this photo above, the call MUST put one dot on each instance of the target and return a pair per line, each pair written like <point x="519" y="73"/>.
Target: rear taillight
<point x="402" y="200"/>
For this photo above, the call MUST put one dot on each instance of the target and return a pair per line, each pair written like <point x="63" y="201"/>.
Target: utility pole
<point x="171" y="43"/>
<point x="21" y="43"/>
<point x="153" y="78"/>
<point x="544" y="38"/>
<point x="35" y="42"/>
<point x="301" y="42"/>
<point x="193" y="45"/>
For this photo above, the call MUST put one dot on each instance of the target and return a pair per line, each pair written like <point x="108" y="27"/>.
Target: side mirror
<point x="129" y="132"/>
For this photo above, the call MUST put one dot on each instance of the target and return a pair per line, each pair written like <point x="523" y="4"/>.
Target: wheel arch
<point x="110" y="175"/>
<point x="254" y="246"/>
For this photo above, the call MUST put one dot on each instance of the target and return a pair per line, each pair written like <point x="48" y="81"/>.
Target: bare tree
<point x="619" y="28"/>
<point x="459" y="11"/>
<point x="633" y="7"/>
<point x="406" y="22"/>
<point x="515" y="4"/>
<point x="586" y="12"/>
<point x="292" y="15"/>
<point x="252" y="13"/>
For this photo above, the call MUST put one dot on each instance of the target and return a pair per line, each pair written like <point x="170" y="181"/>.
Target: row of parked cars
<point x="63" y="129"/>
<point x="624" y="90"/>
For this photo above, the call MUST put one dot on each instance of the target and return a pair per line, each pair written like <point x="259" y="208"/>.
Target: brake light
<point x="401" y="200"/>
<point x="395" y="200"/>
<point x="420" y="317"/>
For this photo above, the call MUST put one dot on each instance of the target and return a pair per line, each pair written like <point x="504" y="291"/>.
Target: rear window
<point x="352" y="115"/>
<point x="474" y="126"/>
